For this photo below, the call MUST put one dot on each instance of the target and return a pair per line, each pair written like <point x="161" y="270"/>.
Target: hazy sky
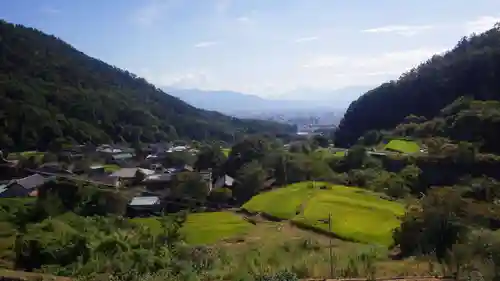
<point x="264" y="47"/>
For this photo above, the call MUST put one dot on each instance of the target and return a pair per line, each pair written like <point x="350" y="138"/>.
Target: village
<point x="148" y="173"/>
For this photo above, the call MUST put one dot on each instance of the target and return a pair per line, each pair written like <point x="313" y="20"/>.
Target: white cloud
<point x="404" y="30"/>
<point x="205" y="44"/>
<point x="187" y="80"/>
<point x="190" y="79"/>
<point x="306" y="39"/>
<point x="383" y="64"/>
<point x="481" y="24"/>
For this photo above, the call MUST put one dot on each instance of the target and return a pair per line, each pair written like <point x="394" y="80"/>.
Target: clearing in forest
<point x="402" y="146"/>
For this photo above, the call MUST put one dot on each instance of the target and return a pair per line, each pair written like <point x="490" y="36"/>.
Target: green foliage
<point x="300" y="147"/>
<point x="434" y="225"/>
<point x="355" y="157"/>
<point x="56" y="94"/>
<point x="320" y="141"/>
<point x="371" y="138"/>
<point x="210" y="157"/>
<point x="220" y="195"/>
<point x="189" y="185"/>
<point x="73" y="246"/>
<point x="57" y="197"/>
<point x="246" y="151"/>
<point x="250" y="181"/>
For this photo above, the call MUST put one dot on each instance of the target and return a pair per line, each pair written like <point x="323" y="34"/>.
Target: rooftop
<point x="3" y="187"/>
<point x="130" y="172"/>
<point x="31" y="182"/>
<point x="144" y="201"/>
<point x="159" y="177"/>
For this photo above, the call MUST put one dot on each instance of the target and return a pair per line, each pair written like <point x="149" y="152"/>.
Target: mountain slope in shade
<point x="52" y="93"/>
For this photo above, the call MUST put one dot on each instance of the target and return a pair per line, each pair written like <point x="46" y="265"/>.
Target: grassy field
<point x="357" y="214"/>
<point x="272" y="202"/>
<point x="226" y="151"/>
<point x="205" y="228"/>
<point x="339" y="154"/>
<point x="402" y="146"/>
<point x="26" y="154"/>
<point x="109" y="168"/>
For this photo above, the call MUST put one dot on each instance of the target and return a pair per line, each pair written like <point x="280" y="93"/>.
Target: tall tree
<point x="250" y="181"/>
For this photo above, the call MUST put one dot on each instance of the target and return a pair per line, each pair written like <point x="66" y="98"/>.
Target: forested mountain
<point x="471" y="68"/>
<point x="51" y="92"/>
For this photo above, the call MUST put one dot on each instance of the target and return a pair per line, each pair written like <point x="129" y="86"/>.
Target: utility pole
<point x="330" y="244"/>
<point x="283" y="162"/>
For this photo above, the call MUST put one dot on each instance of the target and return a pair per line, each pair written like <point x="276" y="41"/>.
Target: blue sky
<point x="262" y="47"/>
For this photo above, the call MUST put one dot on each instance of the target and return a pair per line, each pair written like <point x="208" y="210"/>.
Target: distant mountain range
<point x="304" y="104"/>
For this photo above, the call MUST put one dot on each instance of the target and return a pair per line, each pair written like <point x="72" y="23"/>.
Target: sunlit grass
<point x="403" y="146"/>
<point x="357" y="214"/>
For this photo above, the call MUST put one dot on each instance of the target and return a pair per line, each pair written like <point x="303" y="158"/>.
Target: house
<point x="74" y="152"/>
<point x="105" y="180"/>
<point x="179" y="169"/>
<point x="107" y="149"/>
<point x="144" y="206"/>
<point x="268" y="184"/>
<point x="24" y="187"/>
<point x="158" y="181"/>
<point x="224" y="181"/>
<point x="52" y="168"/>
<point x="115" y="158"/>
<point x="157" y="167"/>
<point x="97" y="170"/>
<point x="130" y="176"/>
<point x="206" y="176"/>
<point x="130" y="173"/>
<point x="156" y="148"/>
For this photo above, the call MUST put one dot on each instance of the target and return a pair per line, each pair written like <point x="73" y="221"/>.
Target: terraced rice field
<point x="357" y="214"/>
<point x="402" y="146"/>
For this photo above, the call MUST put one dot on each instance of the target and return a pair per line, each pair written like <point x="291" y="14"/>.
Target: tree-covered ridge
<point x="464" y="120"/>
<point x="51" y="91"/>
<point x="472" y="68"/>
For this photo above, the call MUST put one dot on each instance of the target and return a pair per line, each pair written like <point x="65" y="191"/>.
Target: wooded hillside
<point x="51" y="92"/>
<point x="471" y="68"/>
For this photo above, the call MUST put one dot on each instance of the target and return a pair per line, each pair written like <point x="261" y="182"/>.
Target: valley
<point x="104" y="176"/>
